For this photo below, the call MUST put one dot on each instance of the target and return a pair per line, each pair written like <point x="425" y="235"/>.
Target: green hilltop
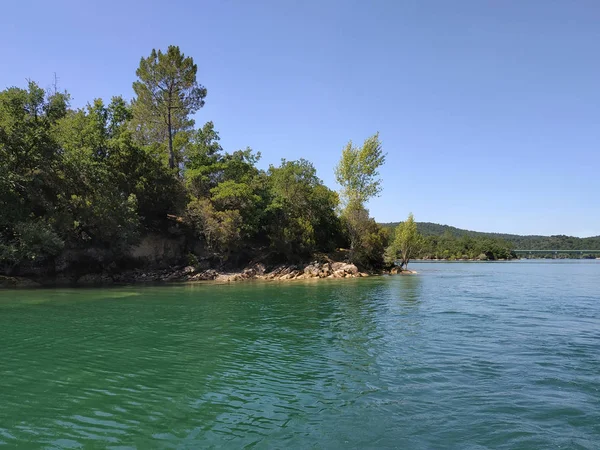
<point x="517" y="242"/>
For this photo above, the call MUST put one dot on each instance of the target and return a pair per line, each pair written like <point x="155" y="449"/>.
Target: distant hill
<point x="532" y="242"/>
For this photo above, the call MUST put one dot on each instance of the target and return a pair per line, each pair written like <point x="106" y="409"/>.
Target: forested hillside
<point x="516" y="241"/>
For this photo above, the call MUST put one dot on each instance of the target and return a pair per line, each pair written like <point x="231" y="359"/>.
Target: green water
<point x="464" y="356"/>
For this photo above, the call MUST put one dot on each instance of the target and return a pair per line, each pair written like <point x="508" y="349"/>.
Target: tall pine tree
<point x="167" y="94"/>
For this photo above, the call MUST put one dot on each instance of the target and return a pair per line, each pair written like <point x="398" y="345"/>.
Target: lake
<point x="462" y="355"/>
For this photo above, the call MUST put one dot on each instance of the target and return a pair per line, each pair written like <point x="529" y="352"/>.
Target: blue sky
<point x="489" y="110"/>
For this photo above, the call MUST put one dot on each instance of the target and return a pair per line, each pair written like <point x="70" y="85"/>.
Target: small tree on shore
<point x="358" y="174"/>
<point x="406" y="244"/>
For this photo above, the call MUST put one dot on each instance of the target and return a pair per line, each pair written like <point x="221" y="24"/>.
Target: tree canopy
<point x="358" y="170"/>
<point x="167" y="93"/>
<point x="406" y="243"/>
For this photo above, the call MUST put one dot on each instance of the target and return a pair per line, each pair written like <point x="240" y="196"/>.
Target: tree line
<point x="439" y="242"/>
<point x="81" y="186"/>
<point x="450" y="238"/>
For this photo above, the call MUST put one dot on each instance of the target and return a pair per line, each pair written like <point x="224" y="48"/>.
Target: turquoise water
<point x="465" y="356"/>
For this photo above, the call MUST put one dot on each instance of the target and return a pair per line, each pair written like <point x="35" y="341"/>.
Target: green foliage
<point x="94" y="208"/>
<point x="220" y="230"/>
<point x="450" y="247"/>
<point x="358" y="170"/>
<point x="513" y="241"/>
<point x="406" y="244"/>
<point x="358" y="174"/>
<point x="231" y="183"/>
<point x="301" y="217"/>
<point x="88" y="183"/>
<point x="368" y="239"/>
<point x="204" y="160"/>
<point x="73" y="179"/>
<point x="30" y="177"/>
<point x="167" y="94"/>
<point x="32" y="241"/>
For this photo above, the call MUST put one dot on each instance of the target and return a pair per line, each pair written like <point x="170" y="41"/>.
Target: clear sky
<point x="489" y="110"/>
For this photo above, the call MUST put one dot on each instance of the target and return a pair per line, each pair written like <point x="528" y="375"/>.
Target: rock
<point x="351" y="268"/>
<point x="346" y="267"/>
<point x="259" y="268"/>
<point x="227" y="278"/>
<point x="206" y="275"/>
<point x="325" y="270"/>
<point x="312" y="270"/>
<point x="188" y="270"/>
<point x="13" y="282"/>
<point x="337" y="266"/>
<point x="248" y="273"/>
<point x="291" y="274"/>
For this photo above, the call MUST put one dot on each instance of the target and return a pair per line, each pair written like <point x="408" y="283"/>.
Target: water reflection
<point x="410" y="288"/>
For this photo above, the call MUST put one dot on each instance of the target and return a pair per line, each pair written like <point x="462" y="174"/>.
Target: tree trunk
<point x="171" y="154"/>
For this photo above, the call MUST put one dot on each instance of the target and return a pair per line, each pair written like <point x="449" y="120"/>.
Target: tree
<point x="358" y="174"/>
<point x="203" y="155"/>
<point x="95" y="209"/>
<point x="30" y="179"/>
<point x="367" y="237"/>
<point x="406" y="243"/>
<point x="358" y="170"/>
<point x="219" y="229"/>
<point x="301" y="212"/>
<point x="167" y="94"/>
<point x="231" y="182"/>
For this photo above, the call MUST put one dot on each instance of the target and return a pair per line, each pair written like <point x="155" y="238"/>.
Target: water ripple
<point x="462" y="356"/>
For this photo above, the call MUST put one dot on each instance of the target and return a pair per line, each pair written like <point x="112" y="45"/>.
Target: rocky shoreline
<point x="314" y="270"/>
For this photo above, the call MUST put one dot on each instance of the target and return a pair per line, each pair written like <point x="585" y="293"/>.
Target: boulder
<point x="259" y="268"/>
<point x="351" y="268"/>
<point x="228" y="277"/>
<point x="337" y="266"/>
<point x="248" y="273"/>
<point x="188" y="270"/>
<point x="325" y="270"/>
<point x="206" y="275"/>
<point x="346" y="268"/>
<point x="312" y="270"/>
